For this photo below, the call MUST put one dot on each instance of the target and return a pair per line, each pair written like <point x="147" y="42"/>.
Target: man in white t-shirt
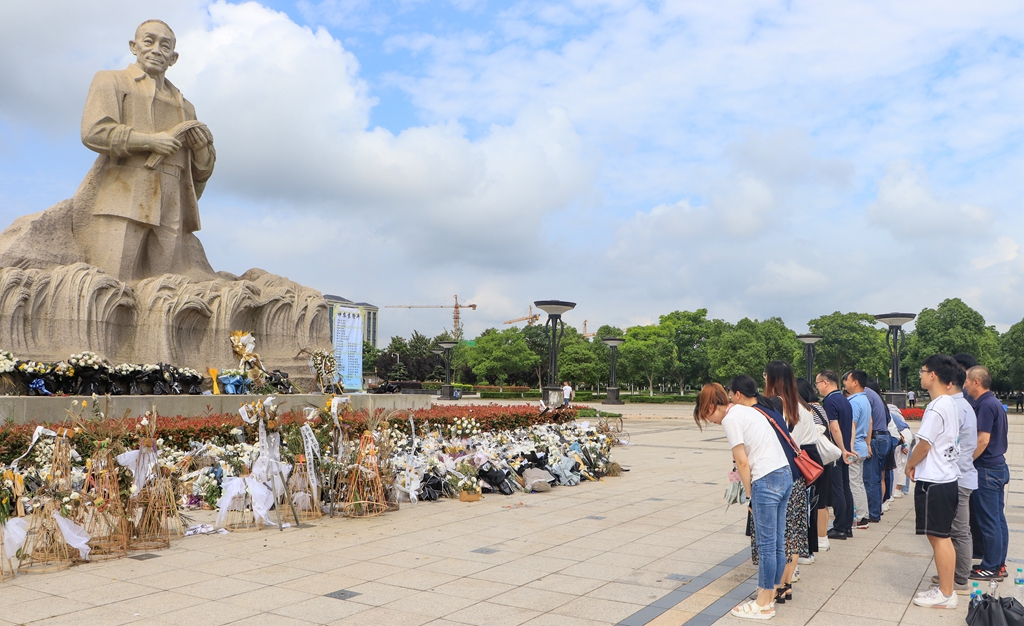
<point x="934" y="465"/>
<point x="566" y="393"/>
<point x="911" y="398"/>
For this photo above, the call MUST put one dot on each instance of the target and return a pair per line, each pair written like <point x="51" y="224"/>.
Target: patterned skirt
<point x="796" y="523"/>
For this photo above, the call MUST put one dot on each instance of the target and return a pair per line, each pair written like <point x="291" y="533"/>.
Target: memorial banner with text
<point x="348" y="346"/>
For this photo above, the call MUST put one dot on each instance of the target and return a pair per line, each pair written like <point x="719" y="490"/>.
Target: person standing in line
<point x="879" y="448"/>
<point x="840" y="424"/>
<point x="764" y="469"/>
<point x="903" y="438"/>
<point x="911" y="398"/>
<point x="960" y="532"/>
<point x="1020" y="402"/>
<point x="822" y="486"/>
<point x="780" y="383"/>
<point x="854" y="384"/>
<point x="988" y="500"/>
<point x="933" y="465"/>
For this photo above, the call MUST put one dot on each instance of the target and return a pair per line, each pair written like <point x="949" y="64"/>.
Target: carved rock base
<point x="49" y="314"/>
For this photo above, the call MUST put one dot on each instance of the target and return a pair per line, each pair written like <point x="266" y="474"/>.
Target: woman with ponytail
<point x="764" y="469"/>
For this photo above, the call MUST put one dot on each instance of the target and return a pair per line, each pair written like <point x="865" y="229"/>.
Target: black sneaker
<point x="862" y="524"/>
<point x="874" y="521"/>
<point x="985" y="574"/>
<point x="849" y="534"/>
<point x="836" y="534"/>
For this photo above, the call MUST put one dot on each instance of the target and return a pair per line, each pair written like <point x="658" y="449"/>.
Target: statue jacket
<point x="119" y="183"/>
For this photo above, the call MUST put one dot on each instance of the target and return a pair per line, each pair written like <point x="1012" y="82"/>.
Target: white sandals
<point x="752" y="610"/>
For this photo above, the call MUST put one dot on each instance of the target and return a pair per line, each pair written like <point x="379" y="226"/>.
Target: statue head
<point x="153" y="47"/>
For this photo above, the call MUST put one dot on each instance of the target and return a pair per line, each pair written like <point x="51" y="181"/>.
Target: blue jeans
<point x="768" y="501"/>
<point x="988" y="507"/>
<point x="873" y="465"/>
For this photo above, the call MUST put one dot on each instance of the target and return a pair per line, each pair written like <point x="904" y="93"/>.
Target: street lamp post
<point x="446" y="356"/>
<point x="895" y="339"/>
<point x="809" y="341"/>
<point x="555" y="329"/>
<point x="612" y="396"/>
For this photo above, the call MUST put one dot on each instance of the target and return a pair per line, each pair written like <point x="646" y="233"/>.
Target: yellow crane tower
<point x="530" y="319"/>
<point x="457" y="328"/>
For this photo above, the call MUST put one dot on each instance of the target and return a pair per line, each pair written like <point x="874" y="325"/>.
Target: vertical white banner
<point x="348" y="346"/>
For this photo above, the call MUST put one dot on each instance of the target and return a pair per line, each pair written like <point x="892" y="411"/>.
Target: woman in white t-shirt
<point x="764" y="469"/>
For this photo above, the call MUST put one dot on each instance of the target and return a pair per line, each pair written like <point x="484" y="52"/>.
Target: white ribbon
<point x="15" y="531"/>
<point x="141" y="463"/>
<point x="74" y="535"/>
<point x="236" y="486"/>
<point x="244" y="412"/>
<point x="312" y="448"/>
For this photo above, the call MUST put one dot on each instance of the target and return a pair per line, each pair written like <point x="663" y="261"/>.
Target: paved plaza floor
<point x="654" y="546"/>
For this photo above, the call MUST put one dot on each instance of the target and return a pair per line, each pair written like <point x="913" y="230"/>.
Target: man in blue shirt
<point x="881" y="444"/>
<point x="988" y="500"/>
<point x="840" y="424"/>
<point x="861" y="446"/>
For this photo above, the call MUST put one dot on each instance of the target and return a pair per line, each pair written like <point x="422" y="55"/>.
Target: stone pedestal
<point x="552" y="396"/>
<point x="612" y="396"/>
<point x="896" y="398"/>
<point x="447" y="392"/>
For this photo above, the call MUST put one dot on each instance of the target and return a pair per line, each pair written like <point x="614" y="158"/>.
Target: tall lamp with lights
<point x="445" y="352"/>
<point x="555" y="330"/>
<point x="895" y="339"/>
<point x="809" y="341"/>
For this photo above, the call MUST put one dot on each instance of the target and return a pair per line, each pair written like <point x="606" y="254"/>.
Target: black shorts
<point x="935" y="505"/>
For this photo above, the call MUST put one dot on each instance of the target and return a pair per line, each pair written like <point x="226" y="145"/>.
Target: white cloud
<point x="907" y="208"/>
<point x="1004" y="250"/>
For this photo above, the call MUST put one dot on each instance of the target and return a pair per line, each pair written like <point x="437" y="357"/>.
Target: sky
<point x="753" y="158"/>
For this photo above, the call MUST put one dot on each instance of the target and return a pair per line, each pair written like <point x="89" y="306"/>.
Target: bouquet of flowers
<point x="90" y="369"/>
<point x="38" y="377"/>
<point x="234" y="381"/>
<point x="464" y="428"/>
<point x="65" y="378"/>
<point x="190" y="380"/>
<point x="8" y="370"/>
<point x="157" y="378"/>
<point x="121" y="378"/>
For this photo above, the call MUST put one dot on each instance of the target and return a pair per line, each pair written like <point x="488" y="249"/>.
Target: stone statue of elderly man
<point x="137" y="209"/>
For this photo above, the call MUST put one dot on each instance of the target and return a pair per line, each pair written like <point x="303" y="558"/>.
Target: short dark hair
<point x="965" y="360"/>
<point x="743" y="384"/>
<point x="943" y="366"/>
<point x="830" y="376"/>
<point x="858" y="375"/>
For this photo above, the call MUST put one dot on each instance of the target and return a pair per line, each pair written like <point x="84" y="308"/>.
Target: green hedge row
<point x="433" y="384"/>
<point x="657" y="399"/>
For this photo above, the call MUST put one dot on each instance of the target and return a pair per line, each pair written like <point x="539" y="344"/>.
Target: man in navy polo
<point x="840" y="424"/>
<point x="881" y="444"/>
<point x="988" y="500"/>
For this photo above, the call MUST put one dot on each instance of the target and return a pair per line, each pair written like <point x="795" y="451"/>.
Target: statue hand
<point x="196" y="140"/>
<point x="162" y="143"/>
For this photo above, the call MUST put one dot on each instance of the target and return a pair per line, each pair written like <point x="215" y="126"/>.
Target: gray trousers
<point x="961" y="535"/>
<point x="860" y="494"/>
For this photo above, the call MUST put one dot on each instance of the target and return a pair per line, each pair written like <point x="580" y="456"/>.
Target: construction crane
<point x="457" y="329"/>
<point x="530" y="318"/>
<point x="585" y="333"/>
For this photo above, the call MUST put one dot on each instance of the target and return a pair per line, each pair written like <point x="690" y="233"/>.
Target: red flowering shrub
<point x="912" y="414"/>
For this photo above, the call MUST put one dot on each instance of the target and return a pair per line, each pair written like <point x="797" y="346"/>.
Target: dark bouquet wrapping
<point x="38" y="377"/>
<point x="190" y="381"/>
<point x="156" y="378"/>
<point x="279" y="381"/>
<point x="499" y="480"/>
<point x="121" y="378"/>
<point x="91" y="372"/>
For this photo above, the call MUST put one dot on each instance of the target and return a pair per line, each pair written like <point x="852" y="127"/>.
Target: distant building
<point x="369" y="310"/>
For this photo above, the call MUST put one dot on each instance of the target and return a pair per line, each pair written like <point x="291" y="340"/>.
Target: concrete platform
<point x="23" y="409"/>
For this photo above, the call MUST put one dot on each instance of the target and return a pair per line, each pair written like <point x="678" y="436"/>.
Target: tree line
<point x="687" y="349"/>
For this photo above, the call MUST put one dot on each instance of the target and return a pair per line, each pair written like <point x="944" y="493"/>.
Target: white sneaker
<point x="796" y="575"/>
<point x="823" y="544"/>
<point x="898" y="493"/>
<point x="885" y="507"/>
<point x="934" y="599"/>
<point x="805" y="560"/>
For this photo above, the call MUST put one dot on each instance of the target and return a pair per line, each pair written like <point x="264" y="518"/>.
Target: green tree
<point x="850" y="341"/>
<point x="389" y="360"/>
<point x="733" y="351"/>
<point x="536" y="339"/>
<point x="952" y="328"/>
<point x="646" y="353"/>
<point x="1012" y="347"/>
<point x="500" y="354"/>
<point x="370" y="356"/>
<point x="689" y="333"/>
<point x="780" y="343"/>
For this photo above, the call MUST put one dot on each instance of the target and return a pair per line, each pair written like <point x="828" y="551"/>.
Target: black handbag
<point x="750" y="524"/>
<point x="989" y="611"/>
